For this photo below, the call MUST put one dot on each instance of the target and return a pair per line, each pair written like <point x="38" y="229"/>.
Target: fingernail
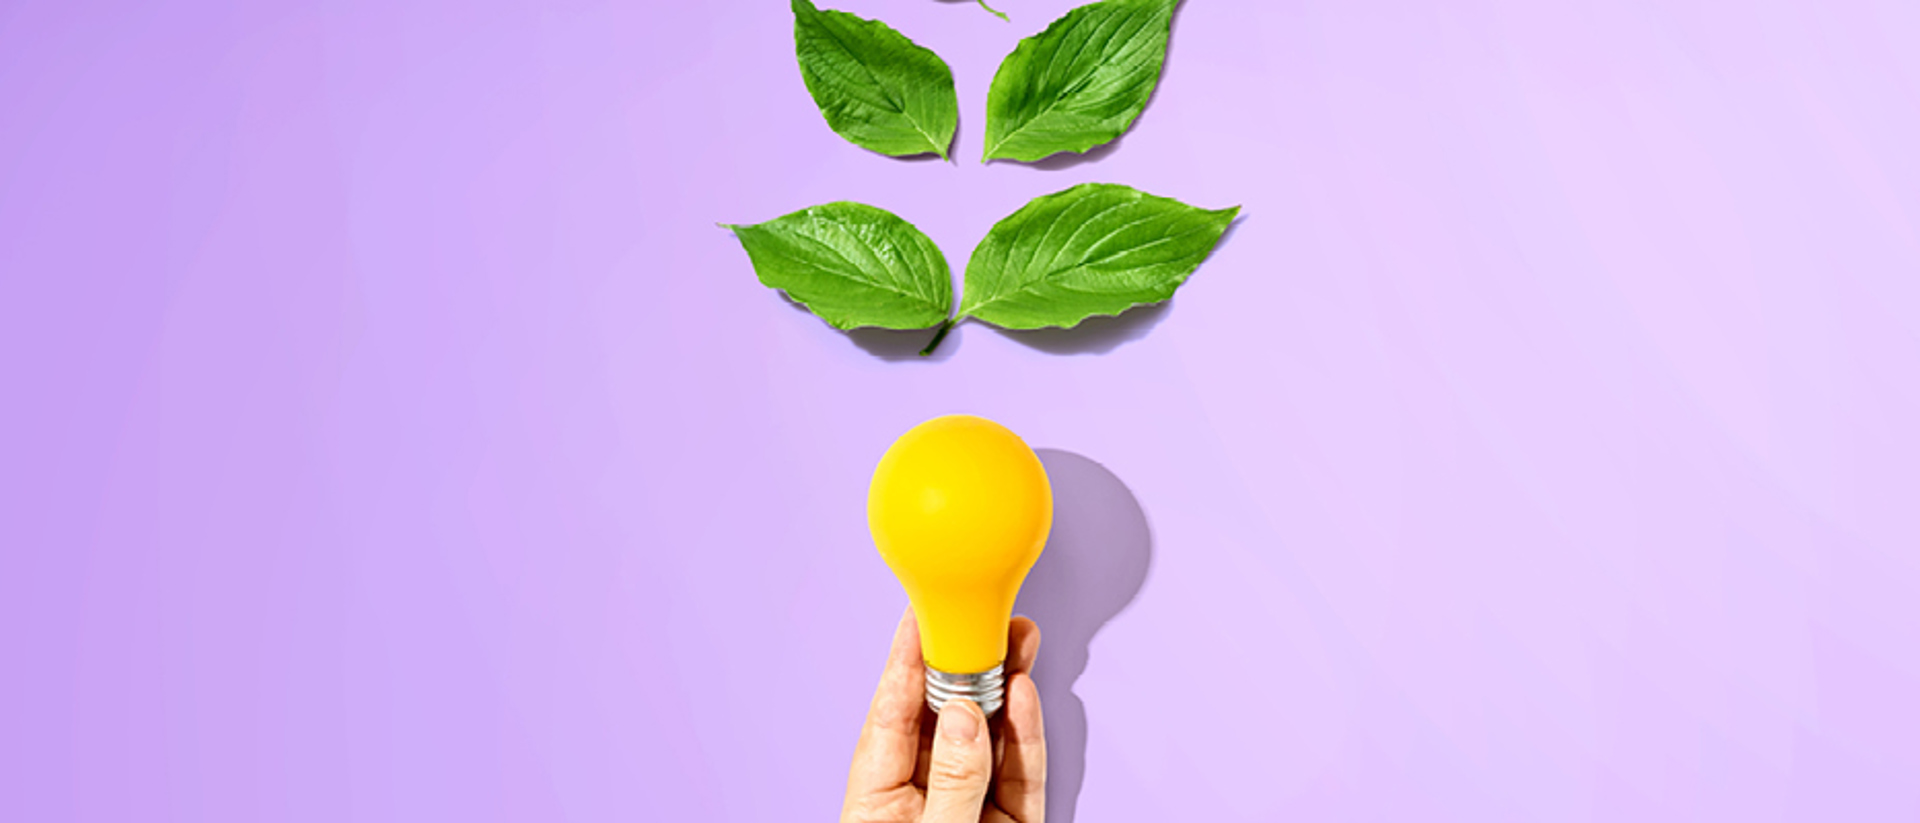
<point x="960" y="721"/>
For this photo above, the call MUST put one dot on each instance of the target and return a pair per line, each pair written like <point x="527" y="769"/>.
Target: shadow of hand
<point x="1095" y="562"/>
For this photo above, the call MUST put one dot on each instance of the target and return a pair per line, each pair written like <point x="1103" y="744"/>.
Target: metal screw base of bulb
<point x="987" y="689"/>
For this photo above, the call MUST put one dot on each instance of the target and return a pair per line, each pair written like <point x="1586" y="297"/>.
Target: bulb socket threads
<point x="987" y="689"/>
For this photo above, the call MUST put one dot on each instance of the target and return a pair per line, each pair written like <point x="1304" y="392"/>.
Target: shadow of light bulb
<point x="1095" y="562"/>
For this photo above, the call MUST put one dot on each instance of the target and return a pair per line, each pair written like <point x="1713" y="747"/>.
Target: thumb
<point x="962" y="765"/>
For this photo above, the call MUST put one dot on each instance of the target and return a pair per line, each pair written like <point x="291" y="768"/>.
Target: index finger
<point x="1023" y="645"/>
<point x="890" y="739"/>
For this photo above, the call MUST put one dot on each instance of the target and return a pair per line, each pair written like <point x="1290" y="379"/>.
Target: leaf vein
<point x="1118" y="73"/>
<point x="854" y="271"/>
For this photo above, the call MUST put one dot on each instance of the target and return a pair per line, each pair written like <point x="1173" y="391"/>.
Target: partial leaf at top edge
<point x="1094" y="249"/>
<point x="1080" y="83"/>
<point x="853" y="265"/>
<point x="878" y="89"/>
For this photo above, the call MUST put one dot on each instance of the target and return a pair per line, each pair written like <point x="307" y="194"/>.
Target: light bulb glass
<point x="960" y="508"/>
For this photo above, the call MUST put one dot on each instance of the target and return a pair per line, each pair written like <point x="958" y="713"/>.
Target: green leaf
<point x="1080" y="83"/>
<point x="1094" y="249"/>
<point x="853" y="265"/>
<point x="876" y="88"/>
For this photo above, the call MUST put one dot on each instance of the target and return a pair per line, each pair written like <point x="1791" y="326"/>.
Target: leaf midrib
<point x="852" y="271"/>
<point x="1055" y="273"/>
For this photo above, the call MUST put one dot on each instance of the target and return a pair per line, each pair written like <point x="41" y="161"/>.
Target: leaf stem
<point x="939" y="336"/>
<point x="983" y="4"/>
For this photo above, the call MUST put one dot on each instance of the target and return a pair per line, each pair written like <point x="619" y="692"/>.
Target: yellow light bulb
<point x="960" y="509"/>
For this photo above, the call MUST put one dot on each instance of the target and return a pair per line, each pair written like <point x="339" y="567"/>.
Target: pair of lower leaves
<point x="1096" y="249"/>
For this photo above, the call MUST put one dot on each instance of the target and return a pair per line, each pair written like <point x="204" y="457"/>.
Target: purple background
<point x="389" y="434"/>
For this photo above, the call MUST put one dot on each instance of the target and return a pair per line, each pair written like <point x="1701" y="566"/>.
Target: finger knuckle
<point x="884" y="808"/>
<point x="956" y="771"/>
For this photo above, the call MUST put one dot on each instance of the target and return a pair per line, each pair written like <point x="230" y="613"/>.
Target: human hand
<point x="913" y="767"/>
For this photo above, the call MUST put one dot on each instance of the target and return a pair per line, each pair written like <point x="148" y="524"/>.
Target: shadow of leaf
<point x="888" y="344"/>
<point x="1097" y="335"/>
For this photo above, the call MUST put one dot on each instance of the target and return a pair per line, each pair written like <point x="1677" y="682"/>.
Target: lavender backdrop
<point x="389" y="435"/>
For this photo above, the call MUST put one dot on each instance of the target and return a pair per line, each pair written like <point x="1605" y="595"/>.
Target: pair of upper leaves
<point x="1094" y="249"/>
<point x="1074" y="86"/>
